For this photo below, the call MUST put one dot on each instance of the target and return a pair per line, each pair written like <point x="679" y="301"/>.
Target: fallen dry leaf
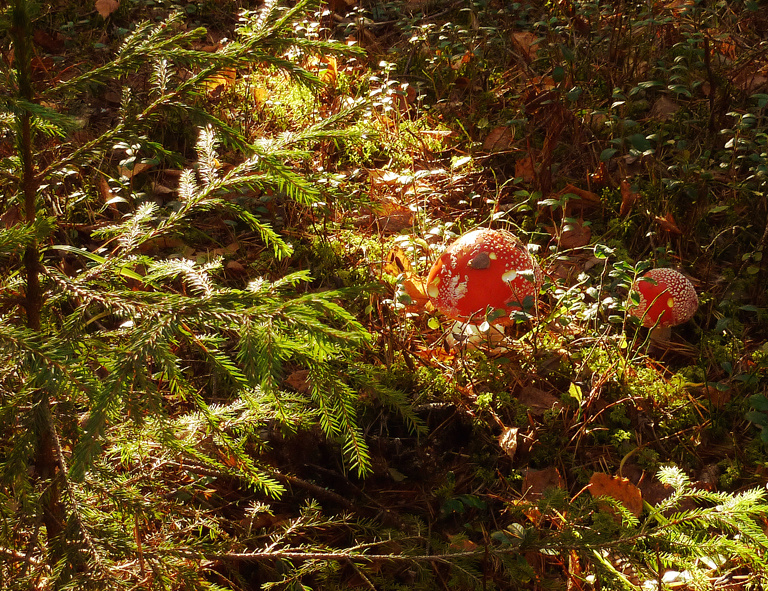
<point x="160" y="189"/>
<point x="299" y="381"/>
<point x="228" y="249"/>
<point x="586" y="196"/>
<point x="218" y="82"/>
<point x="586" y="199"/>
<point x="499" y="139"/>
<point x="538" y="401"/>
<point x="326" y="68"/>
<point x="575" y="235"/>
<point x="717" y="394"/>
<point x="138" y="168"/>
<point x="600" y="176"/>
<point x="50" y="43"/>
<point x="396" y="262"/>
<point x="535" y="482"/>
<point x="628" y="197"/>
<point x="416" y="289"/>
<point x="526" y="43"/>
<point x="340" y="6"/>
<point x="543" y="83"/>
<point x="106" y="7"/>
<point x="751" y="82"/>
<point x="524" y="169"/>
<point x="664" y="108"/>
<point x="104" y="190"/>
<point x="668" y="224"/>
<point x="459" y="61"/>
<point x="379" y="177"/>
<point x="616" y="487"/>
<point x="11" y="216"/>
<point x="508" y="441"/>
<point x="107" y="196"/>
<point x="462" y="544"/>
<point x="235" y="267"/>
<point x="161" y="243"/>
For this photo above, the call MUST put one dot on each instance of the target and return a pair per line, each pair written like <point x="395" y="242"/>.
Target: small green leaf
<point x="756" y="417"/>
<point x="607" y="154"/>
<point x="574" y="391"/>
<point x="639" y="142"/>
<point x="574" y="94"/>
<point x="759" y="401"/>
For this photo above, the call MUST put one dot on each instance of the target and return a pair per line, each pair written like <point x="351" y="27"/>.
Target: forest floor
<point x="609" y="140"/>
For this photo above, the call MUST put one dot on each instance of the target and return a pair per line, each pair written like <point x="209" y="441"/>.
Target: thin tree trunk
<point x="46" y="464"/>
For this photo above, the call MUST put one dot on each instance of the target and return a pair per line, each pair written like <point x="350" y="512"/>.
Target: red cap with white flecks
<point x="667" y="298"/>
<point x="483" y="269"/>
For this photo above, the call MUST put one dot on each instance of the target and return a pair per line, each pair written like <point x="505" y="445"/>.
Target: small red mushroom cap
<point x="481" y="269"/>
<point x="667" y="298"/>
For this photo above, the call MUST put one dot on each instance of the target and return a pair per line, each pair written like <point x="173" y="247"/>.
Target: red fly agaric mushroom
<point x="667" y="298"/>
<point x="483" y="269"/>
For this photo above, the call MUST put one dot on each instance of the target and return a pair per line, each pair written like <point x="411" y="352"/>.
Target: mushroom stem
<point x="660" y="335"/>
<point x="469" y="336"/>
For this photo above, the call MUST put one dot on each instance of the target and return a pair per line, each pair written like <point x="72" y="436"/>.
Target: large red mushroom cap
<point x="483" y="269"/>
<point x="667" y="298"/>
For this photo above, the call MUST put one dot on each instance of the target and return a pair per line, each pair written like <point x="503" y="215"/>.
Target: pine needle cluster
<point x="130" y="381"/>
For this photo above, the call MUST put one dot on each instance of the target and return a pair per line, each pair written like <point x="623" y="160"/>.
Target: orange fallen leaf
<point x="600" y="176"/>
<point x="435" y="354"/>
<point x="628" y="197"/>
<point x="542" y="83"/>
<point x="526" y="43"/>
<point x="573" y="235"/>
<point x="586" y="199"/>
<point x="416" y="288"/>
<point x="221" y="80"/>
<point x="299" y="381"/>
<point x="616" y="487"/>
<point x="106" y="7"/>
<point x="535" y="482"/>
<point x="397" y="262"/>
<point x="668" y="224"/>
<point x="326" y="68"/>
<point x="462" y="544"/>
<point x="340" y="6"/>
<point x="586" y="196"/>
<point x="230" y="248"/>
